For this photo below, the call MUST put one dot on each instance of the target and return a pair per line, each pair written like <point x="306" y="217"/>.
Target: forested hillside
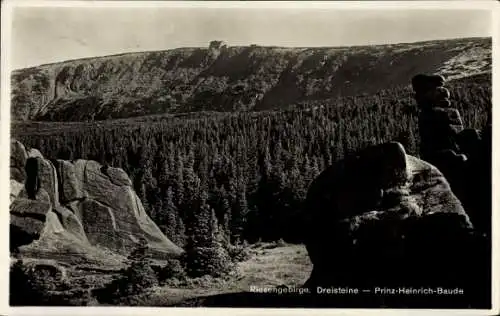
<point x="222" y="78"/>
<point x="252" y="168"/>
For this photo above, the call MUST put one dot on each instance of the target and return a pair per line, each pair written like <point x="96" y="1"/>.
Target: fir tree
<point x="134" y="280"/>
<point x="204" y="252"/>
<point x="171" y="229"/>
<point x="239" y="214"/>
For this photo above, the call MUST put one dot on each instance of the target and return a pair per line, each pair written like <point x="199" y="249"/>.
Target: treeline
<point x="251" y="170"/>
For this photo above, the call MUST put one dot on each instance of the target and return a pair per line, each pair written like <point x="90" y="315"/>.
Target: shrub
<point x="212" y="261"/>
<point x="32" y="285"/>
<point x="134" y="280"/>
<point x="281" y="243"/>
<point x="73" y="297"/>
<point x="22" y="292"/>
<point x="238" y="252"/>
<point x="172" y="270"/>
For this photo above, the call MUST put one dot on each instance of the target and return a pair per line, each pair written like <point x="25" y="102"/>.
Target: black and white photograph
<point x="232" y="155"/>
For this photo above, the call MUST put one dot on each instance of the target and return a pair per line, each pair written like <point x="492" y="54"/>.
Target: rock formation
<point x="215" y="48"/>
<point x="77" y="211"/>
<point x="383" y="218"/>
<point x="462" y="155"/>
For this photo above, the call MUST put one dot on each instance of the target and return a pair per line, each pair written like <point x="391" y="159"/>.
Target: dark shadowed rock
<point x="384" y="218"/>
<point x="23" y="230"/>
<point x="437" y="127"/>
<point x="423" y="82"/>
<point x="32" y="181"/>
<point x="18" y="158"/>
<point x="469" y="141"/>
<point x="460" y="154"/>
<point x="31" y="227"/>
<point x="27" y="218"/>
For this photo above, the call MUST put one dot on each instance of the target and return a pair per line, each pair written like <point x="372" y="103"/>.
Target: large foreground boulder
<point x="77" y="211"/>
<point x="382" y="218"/>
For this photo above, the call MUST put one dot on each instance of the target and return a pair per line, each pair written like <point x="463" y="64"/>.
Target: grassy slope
<point x="270" y="265"/>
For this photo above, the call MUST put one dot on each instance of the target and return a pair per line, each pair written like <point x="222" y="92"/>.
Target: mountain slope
<point x="221" y="78"/>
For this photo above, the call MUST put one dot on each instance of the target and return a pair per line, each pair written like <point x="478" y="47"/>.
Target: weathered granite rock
<point x="71" y="222"/>
<point x="17" y="174"/>
<point x="31" y="208"/>
<point x="78" y="211"/>
<point x="15" y="188"/>
<point x="69" y="186"/>
<point x="41" y="195"/>
<point x="385" y="218"/>
<point x="120" y="207"/>
<point x="34" y="153"/>
<point x="100" y="224"/>
<point x="118" y="176"/>
<point x="48" y="179"/>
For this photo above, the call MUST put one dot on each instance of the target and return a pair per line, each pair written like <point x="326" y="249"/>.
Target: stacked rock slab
<point x="77" y="211"/>
<point x="382" y="218"/>
<point x="438" y="122"/>
<point x="462" y="155"/>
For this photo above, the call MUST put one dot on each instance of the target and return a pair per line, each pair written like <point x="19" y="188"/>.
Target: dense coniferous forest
<point x="245" y="173"/>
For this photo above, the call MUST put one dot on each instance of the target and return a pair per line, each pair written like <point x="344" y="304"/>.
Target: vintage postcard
<point x="184" y="157"/>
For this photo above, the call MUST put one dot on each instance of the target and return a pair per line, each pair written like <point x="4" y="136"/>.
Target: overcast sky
<point x="45" y="35"/>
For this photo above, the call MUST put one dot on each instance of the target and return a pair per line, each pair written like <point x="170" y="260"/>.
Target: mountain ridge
<point x="238" y="46"/>
<point x="236" y="78"/>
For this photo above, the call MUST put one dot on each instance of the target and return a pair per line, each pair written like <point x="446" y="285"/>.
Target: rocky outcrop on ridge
<point x="77" y="210"/>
